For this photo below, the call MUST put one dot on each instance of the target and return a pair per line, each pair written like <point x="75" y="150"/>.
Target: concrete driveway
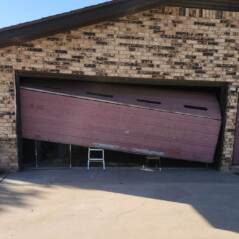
<point x="119" y="203"/>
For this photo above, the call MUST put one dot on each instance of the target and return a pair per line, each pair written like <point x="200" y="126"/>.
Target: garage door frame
<point x="236" y="141"/>
<point x="223" y="87"/>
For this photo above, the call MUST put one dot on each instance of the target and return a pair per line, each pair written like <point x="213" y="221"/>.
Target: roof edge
<point x="20" y="33"/>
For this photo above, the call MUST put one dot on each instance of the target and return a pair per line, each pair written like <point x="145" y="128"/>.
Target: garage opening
<point x="51" y="155"/>
<point x="42" y="154"/>
<point x="61" y="118"/>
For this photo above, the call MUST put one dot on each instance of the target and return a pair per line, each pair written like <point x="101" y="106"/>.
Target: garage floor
<point x="119" y="203"/>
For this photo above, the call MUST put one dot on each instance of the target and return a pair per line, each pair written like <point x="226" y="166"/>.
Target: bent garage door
<point x="129" y="118"/>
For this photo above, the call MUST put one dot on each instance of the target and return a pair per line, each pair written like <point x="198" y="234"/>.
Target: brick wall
<point x="167" y="43"/>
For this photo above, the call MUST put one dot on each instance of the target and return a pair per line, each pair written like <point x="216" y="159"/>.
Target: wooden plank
<point x="70" y="120"/>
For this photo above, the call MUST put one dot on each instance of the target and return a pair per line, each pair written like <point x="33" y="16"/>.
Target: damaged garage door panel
<point x="173" y="100"/>
<point x="121" y="126"/>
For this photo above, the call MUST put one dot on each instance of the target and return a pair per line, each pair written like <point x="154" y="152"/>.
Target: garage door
<point x="136" y="119"/>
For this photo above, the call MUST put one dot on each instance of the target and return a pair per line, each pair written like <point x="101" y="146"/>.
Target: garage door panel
<point x="166" y="134"/>
<point x="54" y="132"/>
<point x="167" y="118"/>
<point x="183" y="101"/>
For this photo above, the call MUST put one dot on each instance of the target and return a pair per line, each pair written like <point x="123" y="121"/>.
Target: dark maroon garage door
<point x="128" y="118"/>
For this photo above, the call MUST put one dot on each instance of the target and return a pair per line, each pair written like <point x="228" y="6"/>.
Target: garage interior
<point x="43" y="151"/>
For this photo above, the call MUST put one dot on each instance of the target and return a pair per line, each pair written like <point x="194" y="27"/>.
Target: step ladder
<point x="93" y="159"/>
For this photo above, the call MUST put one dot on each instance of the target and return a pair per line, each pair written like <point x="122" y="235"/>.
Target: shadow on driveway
<point x="214" y="195"/>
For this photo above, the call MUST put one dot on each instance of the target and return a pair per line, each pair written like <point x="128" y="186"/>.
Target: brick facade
<point x="167" y="43"/>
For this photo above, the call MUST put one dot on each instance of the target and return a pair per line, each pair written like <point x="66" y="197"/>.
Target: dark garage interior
<point x="53" y="155"/>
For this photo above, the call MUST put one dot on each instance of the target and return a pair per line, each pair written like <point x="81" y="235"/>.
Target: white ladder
<point x="94" y="159"/>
